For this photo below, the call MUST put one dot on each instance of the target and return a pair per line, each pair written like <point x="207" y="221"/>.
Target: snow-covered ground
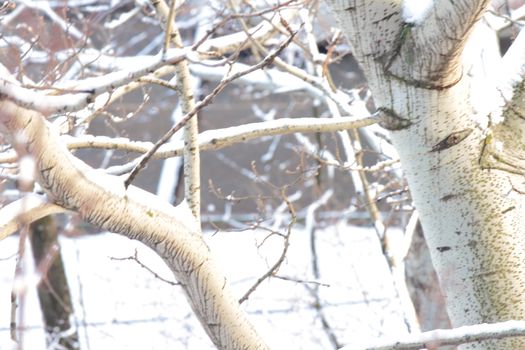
<point x="120" y="305"/>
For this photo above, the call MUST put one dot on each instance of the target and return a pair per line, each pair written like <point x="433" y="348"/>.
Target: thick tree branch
<point x="103" y="200"/>
<point x="418" y="77"/>
<point x="441" y="34"/>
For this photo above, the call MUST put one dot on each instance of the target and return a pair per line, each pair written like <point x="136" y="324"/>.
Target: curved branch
<point x="172" y="232"/>
<point x="25" y="211"/>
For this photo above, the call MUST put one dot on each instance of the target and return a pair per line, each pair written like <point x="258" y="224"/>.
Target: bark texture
<point x="192" y="187"/>
<point x="103" y="201"/>
<point x="423" y="285"/>
<point x="471" y="206"/>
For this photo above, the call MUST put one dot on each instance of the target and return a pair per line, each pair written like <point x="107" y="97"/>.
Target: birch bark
<point x="103" y="200"/>
<point x="465" y="170"/>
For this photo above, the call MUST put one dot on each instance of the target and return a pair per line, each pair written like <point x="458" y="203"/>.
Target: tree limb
<point x="192" y="184"/>
<point x="24" y="211"/>
<point x="103" y="200"/>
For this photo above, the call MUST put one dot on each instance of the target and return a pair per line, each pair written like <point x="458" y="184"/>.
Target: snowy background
<point x="120" y="305"/>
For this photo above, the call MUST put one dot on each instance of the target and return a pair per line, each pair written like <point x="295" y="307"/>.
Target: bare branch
<point x="135" y="257"/>
<point x="171" y="231"/>
<point x="201" y="104"/>
<point x="192" y="187"/>
<point x="286" y="244"/>
<point x="24" y="211"/>
<point x="219" y="138"/>
<point x="79" y="94"/>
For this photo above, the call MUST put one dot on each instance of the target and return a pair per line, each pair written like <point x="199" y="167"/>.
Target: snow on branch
<point x="217" y="138"/>
<point x="220" y="138"/>
<point x="260" y="33"/>
<point x="268" y="59"/>
<point x="456" y="336"/>
<point x="24" y="211"/>
<point x="137" y="214"/>
<point x="78" y="94"/>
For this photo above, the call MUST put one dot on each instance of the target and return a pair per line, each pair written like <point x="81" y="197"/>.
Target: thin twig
<point x="236" y="16"/>
<point x="169" y="26"/>
<point x="135" y="257"/>
<point x="275" y="267"/>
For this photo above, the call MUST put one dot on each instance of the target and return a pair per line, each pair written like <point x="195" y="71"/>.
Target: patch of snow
<point x="416" y="11"/>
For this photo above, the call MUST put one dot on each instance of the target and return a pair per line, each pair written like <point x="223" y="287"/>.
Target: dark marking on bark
<point x="508" y="209"/>
<point x="45" y="173"/>
<point x="429" y="82"/>
<point x="457" y="232"/>
<point x="90" y="98"/>
<point x="390" y="120"/>
<point x="448" y="197"/>
<point x="443" y="249"/>
<point x="74" y="207"/>
<point x="489" y="273"/>
<point x="517" y="190"/>
<point x="388" y="58"/>
<point x="451" y="140"/>
<point x="102" y="221"/>
<point x="29" y="121"/>
<point x="385" y="17"/>
<point x="483" y="156"/>
<point x="425" y="84"/>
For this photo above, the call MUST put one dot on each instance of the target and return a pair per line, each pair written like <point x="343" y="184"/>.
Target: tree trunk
<point x="462" y="167"/>
<point x="53" y="290"/>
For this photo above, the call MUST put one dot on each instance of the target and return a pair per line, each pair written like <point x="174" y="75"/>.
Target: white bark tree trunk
<point x="103" y="201"/>
<point x="464" y="170"/>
